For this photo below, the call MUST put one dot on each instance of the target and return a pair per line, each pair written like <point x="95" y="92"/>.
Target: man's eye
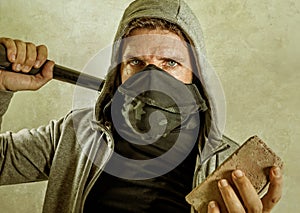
<point x="135" y="62"/>
<point x="172" y="63"/>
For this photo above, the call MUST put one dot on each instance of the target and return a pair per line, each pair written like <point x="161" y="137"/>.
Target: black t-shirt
<point x="161" y="194"/>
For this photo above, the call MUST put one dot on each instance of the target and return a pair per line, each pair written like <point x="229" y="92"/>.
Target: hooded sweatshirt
<point x="179" y="13"/>
<point x="72" y="152"/>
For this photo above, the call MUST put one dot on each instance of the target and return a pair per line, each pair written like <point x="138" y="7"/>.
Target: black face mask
<point x="154" y="104"/>
<point x="158" y="116"/>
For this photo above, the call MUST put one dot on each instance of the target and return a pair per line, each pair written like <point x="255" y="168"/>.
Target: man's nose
<point x="153" y="61"/>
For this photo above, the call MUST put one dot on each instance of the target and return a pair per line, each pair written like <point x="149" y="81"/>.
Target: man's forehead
<point x="164" y="45"/>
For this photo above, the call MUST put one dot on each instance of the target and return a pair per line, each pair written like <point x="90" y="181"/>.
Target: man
<point x="158" y="94"/>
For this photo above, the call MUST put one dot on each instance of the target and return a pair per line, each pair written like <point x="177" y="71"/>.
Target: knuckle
<point x="19" y="42"/>
<point x="6" y="40"/>
<point x="30" y="46"/>
<point x="8" y="43"/>
<point x="3" y="39"/>
<point x="21" y="46"/>
<point x="42" y="52"/>
<point x="42" y="46"/>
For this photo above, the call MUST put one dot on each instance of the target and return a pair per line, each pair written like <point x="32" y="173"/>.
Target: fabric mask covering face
<point x="153" y="105"/>
<point x="154" y="111"/>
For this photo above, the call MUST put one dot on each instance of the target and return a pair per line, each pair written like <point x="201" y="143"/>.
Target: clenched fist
<point x="24" y="56"/>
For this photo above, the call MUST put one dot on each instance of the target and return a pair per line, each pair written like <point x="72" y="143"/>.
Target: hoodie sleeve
<point x="5" y="98"/>
<point x="26" y="156"/>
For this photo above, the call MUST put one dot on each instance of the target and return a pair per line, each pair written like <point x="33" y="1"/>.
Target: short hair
<point x="152" y="24"/>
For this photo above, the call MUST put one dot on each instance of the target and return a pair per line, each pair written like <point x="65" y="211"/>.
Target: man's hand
<point x="24" y="56"/>
<point x="250" y="201"/>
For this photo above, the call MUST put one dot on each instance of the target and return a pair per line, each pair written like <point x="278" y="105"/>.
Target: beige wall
<point x="253" y="45"/>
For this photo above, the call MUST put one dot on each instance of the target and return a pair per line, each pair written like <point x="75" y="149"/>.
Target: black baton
<point x="60" y="73"/>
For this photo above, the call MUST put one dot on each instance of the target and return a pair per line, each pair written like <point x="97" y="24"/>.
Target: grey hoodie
<point x="72" y="152"/>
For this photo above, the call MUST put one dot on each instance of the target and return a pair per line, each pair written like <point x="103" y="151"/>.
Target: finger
<point x="16" y="82"/>
<point x="20" y="57"/>
<point x="213" y="207"/>
<point x="275" y="190"/>
<point x="31" y="55"/>
<point x="11" y="49"/>
<point x="247" y="192"/>
<point x="230" y="198"/>
<point x="42" y="55"/>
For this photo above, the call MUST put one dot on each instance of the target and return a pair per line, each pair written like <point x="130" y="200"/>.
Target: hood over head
<point x="179" y="13"/>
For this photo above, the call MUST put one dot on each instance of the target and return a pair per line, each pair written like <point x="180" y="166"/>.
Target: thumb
<point x="44" y="76"/>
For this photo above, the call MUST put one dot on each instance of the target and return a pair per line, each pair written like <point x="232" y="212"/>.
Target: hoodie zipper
<point x="200" y="163"/>
<point x="106" y="130"/>
<point x="221" y="148"/>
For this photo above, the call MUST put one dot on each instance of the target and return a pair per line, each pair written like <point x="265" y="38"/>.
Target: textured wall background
<point x="253" y="45"/>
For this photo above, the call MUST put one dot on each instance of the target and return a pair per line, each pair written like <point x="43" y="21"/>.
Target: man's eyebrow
<point x="178" y="58"/>
<point x="129" y="56"/>
<point x="162" y="56"/>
